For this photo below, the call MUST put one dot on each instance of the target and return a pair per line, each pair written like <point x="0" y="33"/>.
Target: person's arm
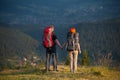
<point x="79" y="50"/>
<point x="58" y="43"/>
<point x="64" y="45"/>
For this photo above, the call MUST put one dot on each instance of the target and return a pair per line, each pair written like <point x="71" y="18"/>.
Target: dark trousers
<point x="54" y="60"/>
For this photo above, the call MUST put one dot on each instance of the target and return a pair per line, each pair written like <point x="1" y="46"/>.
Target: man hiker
<point x="49" y="41"/>
<point x="73" y="48"/>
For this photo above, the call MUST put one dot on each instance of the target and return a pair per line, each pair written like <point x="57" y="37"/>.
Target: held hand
<point x="61" y="48"/>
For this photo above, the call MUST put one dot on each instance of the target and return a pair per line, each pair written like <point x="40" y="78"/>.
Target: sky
<point x="58" y="12"/>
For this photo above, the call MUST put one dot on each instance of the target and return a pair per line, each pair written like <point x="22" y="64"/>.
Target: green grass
<point x="83" y="73"/>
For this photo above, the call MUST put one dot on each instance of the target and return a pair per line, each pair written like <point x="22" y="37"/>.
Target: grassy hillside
<point x="15" y="45"/>
<point x="83" y="73"/>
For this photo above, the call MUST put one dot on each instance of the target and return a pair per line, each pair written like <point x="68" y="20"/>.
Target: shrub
<point x="85" y="59"/>
<point x="67" y="62"/>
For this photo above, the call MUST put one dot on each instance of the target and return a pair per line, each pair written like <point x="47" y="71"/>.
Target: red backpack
<point x="47" y="38"/>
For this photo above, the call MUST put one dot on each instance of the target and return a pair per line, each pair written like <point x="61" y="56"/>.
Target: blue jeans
<point x="54" y="59"/>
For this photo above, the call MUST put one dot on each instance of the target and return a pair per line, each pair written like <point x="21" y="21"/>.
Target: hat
<point x="73" y="30"/>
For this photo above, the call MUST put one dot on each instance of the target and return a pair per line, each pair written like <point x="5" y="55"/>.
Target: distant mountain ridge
<point x="95" y="37"/>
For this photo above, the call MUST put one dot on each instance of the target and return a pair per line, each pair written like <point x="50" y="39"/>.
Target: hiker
<point x="49" y="41"/>
<point x="73" y="48"/>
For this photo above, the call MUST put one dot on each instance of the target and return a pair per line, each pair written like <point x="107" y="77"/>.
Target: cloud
<point x="3" y="14"/>
<point x="101" y="7"/>
<point x="23" y="7"/>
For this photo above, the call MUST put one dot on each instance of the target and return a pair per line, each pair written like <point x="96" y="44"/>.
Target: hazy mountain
<point x="57" y="12"/>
